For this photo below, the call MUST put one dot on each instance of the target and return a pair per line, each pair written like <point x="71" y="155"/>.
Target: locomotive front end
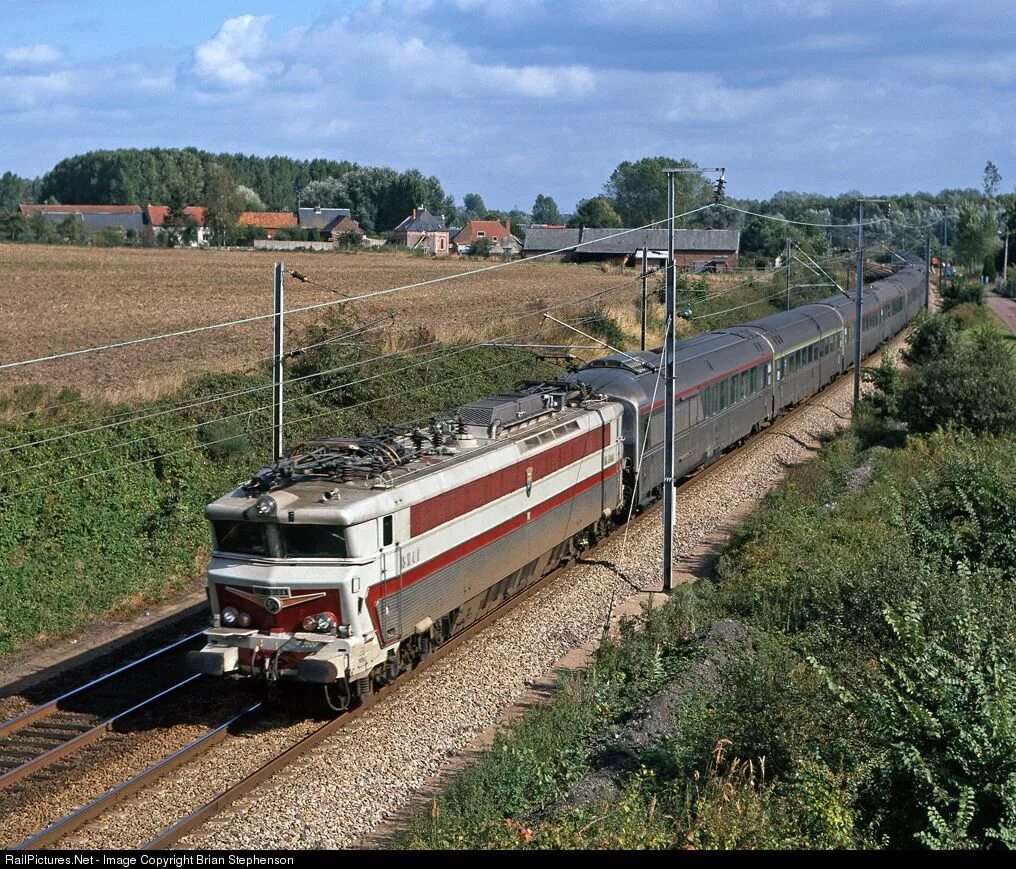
<point x="285" y="586"/>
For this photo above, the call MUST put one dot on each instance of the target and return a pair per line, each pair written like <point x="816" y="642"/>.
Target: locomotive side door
<point x="391" y="569"/>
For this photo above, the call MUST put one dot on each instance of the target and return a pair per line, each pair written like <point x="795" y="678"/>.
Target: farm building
<point x="322" y="220"/>
<point x="342" y="229"/>
<point x="156" y="216"/>
<point x="270" y="221"/>
<point x="94" y="217"/>
<point x="423" y="231"/>
<point x="498" y="236"/>
<point x="694" y="249"/>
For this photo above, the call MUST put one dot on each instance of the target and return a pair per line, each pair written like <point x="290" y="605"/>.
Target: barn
<point x="694" y="249"/>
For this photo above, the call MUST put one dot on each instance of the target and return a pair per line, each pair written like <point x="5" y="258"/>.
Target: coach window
<point x="683" y="415"/>
<point x="387" y="531"/>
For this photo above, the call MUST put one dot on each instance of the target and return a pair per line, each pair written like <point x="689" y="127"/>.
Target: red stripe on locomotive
<point x="451" y="505"/>
<point x="452" y="555"/>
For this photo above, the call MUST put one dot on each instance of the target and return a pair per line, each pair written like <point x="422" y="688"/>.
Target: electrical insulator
<point x="719" y="191"/>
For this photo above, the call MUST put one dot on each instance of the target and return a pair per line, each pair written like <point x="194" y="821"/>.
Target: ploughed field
<point x="60" y="298"/>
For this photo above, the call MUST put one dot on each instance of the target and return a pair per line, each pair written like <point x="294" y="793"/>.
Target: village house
<point x="157" y="215"/>
<point x="322" y="221"/>
<point x="498" y="236"/>
<point x="343" y="230"/>
<point x="694" y="249"/>
<point x="270" y="221"/>
<point x="423" y="231"/>
<point x="94" y="217"/>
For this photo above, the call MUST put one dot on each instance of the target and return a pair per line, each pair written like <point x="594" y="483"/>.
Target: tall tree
<point x="991" y="180"/>
<point x="975" y="235"/>
<point x="474" y="206"/>
<point x="14" y="190"/>
<point x="596" y="212"/>
<point x="223" y="203"/>
<point x="638" y="190"/>
<point x="545" y="210"/>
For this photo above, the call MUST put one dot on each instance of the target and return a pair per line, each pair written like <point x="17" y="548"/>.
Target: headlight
<point x="320" y="622"/>
<point x="266" y="506"/>
<point x="244" y="620"/>
<point x="229" y="616"/>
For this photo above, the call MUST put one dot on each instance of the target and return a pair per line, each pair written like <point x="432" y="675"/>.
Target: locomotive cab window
<point x="242" y="538"/>
<point x="313" y="541"/>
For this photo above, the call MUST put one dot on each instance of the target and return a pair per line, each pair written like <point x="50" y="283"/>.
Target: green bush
<point x="603" y="326"/>
<point x="961" y="292"/>
<point x="971" y="384"/>
<point x="942" y="706"/>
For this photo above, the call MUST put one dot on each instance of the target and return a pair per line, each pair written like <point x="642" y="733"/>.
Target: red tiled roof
<point x="157" y="214"/>
<point x="269" y="219"/>
<point x="347" y="224"/>
<point x="29" y="209"/>
<point x="469" y="233"/>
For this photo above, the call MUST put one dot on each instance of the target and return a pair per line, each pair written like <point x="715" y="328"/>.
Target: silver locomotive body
<point x="349" y="561"/>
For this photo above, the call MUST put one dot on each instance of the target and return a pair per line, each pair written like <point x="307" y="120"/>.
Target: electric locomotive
<point x="345" y="563"/>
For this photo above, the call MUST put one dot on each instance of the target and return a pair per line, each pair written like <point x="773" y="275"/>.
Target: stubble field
<point x="58" y="299"/>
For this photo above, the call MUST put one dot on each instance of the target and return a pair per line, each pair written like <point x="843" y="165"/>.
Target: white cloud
<point x="36" y="54"/>
<point x="461" y="76"/>
<point x="235" y="56"/>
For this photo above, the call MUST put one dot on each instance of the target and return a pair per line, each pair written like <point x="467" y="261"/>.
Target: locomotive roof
<point x="321" y="500"/>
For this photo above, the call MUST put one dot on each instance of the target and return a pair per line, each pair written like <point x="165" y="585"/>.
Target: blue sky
<point x="529" y="96"/>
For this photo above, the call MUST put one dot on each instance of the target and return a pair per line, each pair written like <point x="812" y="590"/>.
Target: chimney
<point x="414" y="214"/>
<point x="317" y="209"/>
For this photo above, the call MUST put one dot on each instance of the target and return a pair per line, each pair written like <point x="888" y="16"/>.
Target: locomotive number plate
<point x="264" y="591"/>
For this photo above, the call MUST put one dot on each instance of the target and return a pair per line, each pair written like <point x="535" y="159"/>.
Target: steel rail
<point x="83" y="739"/>
<point x="44" y="710"/>
<point x="57" y="831"/>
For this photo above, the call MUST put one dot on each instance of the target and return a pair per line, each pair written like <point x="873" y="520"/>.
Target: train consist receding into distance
<point x="347" y="562"/>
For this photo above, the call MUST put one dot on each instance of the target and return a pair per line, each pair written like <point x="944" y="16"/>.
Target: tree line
<point x="380" y="197"/>
<point x="965" y="222"/>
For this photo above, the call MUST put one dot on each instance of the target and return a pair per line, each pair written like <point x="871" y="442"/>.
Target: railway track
<point x="78" y="820"/>
<point x="60" y="728"/>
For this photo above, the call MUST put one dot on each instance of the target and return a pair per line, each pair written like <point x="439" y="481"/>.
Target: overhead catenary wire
<point x="778" y="295"/>
<point x="249" y="368"/>
<point x="193" y="447"/>
<point x="242" y="413"/>
<point x="204" y="401"/>
<point x="343" y="301"/>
